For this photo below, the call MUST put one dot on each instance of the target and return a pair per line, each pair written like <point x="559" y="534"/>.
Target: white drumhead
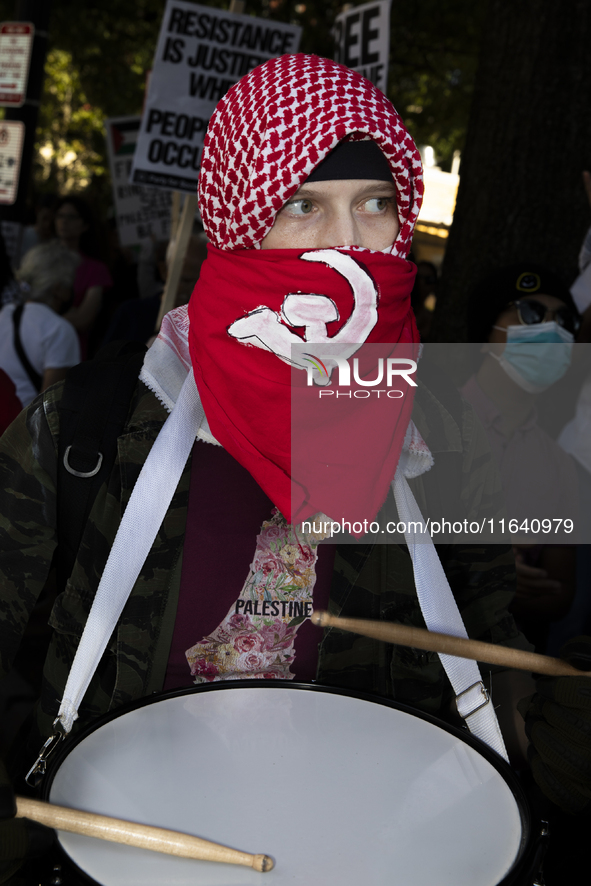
<point x="338" y="790"/>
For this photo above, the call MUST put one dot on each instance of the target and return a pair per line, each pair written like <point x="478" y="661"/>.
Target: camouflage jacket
<point x="369" y="581"/>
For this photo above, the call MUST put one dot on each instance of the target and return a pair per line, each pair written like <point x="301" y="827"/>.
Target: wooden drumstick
<point x="403" y="635"/>
<point x="132" y="834"/>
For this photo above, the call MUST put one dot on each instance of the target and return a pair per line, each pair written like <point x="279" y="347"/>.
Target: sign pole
<point x="180" y="231"/>
<point x="175" y="211"/>
<point x="179" y="253"/>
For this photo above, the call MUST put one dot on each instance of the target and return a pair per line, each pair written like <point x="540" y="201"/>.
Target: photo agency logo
<point x="317" y="353"/>
<point x="391" y="374"/>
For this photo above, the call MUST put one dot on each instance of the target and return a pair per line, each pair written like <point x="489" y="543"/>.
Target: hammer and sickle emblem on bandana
<point x="267" y="329"/>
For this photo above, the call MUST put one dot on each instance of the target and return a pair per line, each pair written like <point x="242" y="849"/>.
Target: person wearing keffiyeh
<point x="303" y="157"/>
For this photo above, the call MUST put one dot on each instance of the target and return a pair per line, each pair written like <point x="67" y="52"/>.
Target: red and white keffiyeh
<point x="275" y="126"/>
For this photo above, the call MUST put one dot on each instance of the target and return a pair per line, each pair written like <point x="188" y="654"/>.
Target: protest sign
<point x="12" y="134"/>
<point x="16" y="41"/>
<point x="362" y="40"/>
<point x="142" y="213"/>
<point x="201" y="52"/>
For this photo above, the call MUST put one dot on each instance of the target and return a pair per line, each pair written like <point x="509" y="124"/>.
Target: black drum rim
<point x="529" y="838"/>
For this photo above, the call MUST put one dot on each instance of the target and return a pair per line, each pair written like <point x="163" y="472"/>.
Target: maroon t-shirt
<point x="225" y="513"/>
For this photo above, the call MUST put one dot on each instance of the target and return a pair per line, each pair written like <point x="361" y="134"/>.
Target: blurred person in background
<point x="9" y="290"/>
<point x="123" y="267"/>
<point x="194" y="258"/>
<point x="581" y="287"/>
<point x="10" y="405"/>
<point x="75" y="230"/>
<point x="424" y="296"/>
<point x="150" y="278"/>
<point x="37" y="345"/>
<point x="521" y="304"/>
<point x="135" y="320"/>
<point x="43" y="229"/>
<point x="575" y="438"/>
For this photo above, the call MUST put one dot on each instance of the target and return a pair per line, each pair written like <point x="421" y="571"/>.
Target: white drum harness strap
<point x="441" y="614"/>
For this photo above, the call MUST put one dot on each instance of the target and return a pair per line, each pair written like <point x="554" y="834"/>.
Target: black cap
<point x="491" y="296"/>
<point x="353" y="160"/>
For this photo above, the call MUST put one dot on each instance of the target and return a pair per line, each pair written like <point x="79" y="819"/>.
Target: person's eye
<point x="377" y="204"/>
<point x="299" y="207"/>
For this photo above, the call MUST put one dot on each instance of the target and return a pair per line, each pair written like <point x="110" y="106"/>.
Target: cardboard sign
<point x="142" y="213"/>
<point x="362" y="41"/>
<point x="16" y="41"/>
<point x="12" y="136"/>
<point x="201" y="52"/>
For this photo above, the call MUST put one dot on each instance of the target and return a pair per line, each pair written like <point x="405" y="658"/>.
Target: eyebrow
<point x="375" y="187"/>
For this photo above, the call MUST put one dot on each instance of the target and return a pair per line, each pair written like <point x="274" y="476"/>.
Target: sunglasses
<point x="531" y="311"/>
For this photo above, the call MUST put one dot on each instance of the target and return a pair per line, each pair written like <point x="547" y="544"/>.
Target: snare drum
<point x="341" y="789"/>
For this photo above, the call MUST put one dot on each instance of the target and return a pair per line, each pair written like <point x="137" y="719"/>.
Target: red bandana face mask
<point x="265" y="138"/>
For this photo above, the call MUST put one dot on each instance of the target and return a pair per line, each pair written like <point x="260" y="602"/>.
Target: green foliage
<point x="112" y="45"/>
<point x="70" y="134"/>
<point x="434" y="48"/>
<point x="433" y="59"/>
<point x="100" y="51"/>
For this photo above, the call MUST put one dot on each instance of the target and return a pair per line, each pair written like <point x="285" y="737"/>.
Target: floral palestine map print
<point x="257" y="637"/>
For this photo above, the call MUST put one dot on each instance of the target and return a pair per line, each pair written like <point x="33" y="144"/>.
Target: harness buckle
<point x="37" y="771"/>
<point x="473" y="702"/>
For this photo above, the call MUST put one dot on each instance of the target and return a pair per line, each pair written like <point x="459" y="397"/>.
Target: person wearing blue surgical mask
<point x="538" y="348"/>
<point x="526" y="321"/>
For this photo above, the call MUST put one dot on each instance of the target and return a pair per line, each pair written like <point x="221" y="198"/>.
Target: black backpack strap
<point x="93" y="410"/>
<point x="34" y="376"/>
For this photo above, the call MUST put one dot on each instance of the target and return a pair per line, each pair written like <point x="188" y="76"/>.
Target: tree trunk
<point x="521" y="195"/>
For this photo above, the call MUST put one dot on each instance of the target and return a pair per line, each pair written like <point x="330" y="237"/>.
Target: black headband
<point x="353" y="160"/>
